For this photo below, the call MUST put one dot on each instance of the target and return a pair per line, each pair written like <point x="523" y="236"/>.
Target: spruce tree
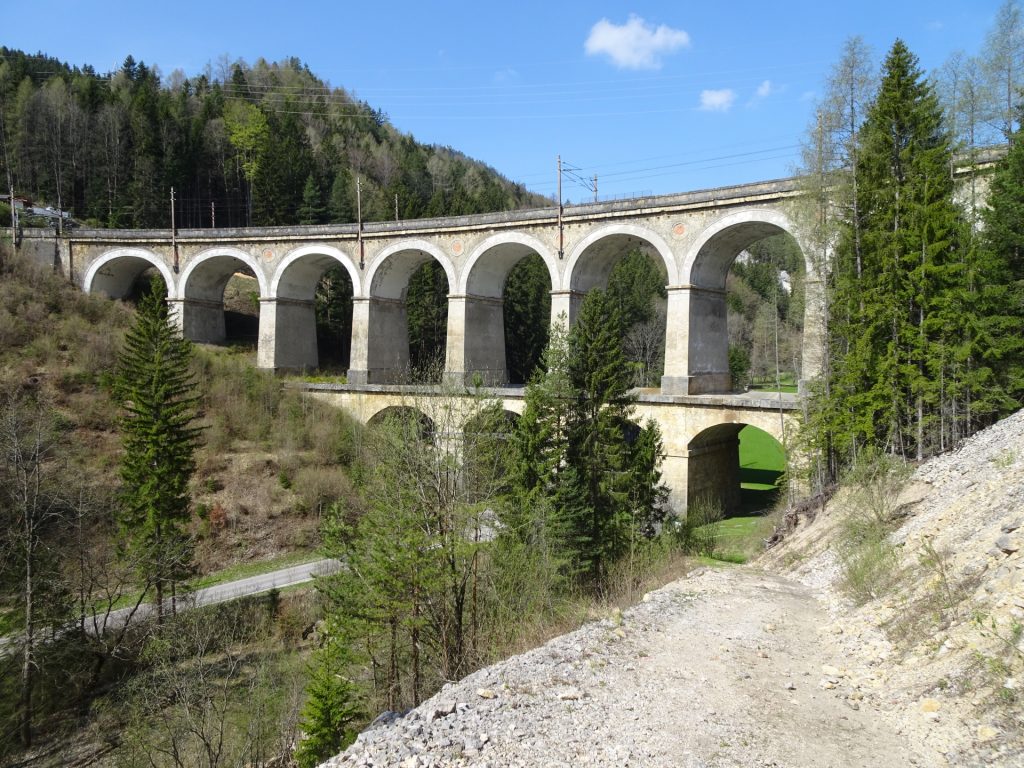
<point x="156" y="389"/>
<point x="998" y="282"/>
<point x="600" y="407"/>
<point x="332" y="709"/>
<point x="312" y="210"/>
<point x="893" y="270"/>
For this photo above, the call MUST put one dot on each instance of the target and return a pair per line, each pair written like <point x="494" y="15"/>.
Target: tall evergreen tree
<point x="897" y="273"/>
<point x="156" y="389"/>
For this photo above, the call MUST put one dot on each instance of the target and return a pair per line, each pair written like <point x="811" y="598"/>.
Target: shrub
<point x="698" y="531"/>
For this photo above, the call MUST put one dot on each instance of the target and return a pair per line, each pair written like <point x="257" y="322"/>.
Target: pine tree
<point x="156" y="389"/>
<point x="331" y="709"/>
<point x="599" y="410"/>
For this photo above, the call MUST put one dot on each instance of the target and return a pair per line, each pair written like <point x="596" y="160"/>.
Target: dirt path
<point x="724" y="668"/>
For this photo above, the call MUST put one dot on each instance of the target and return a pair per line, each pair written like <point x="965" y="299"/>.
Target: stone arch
<point x="380" y="331"/>
<point x="477" y="310"/>
<point x="716" y="473"/>
<point x="207" y="282"/>
<point x="390" y="270"/>
<point x="297" y="275"/>
<point x="402" y="413"/>
<point x="707" y="261"/>
<point x="200" y="297"/>
<point x="290" y="314"/>
<point x="604" y="246"/>
<point x="114" y="273"/>
<point x="488" y="266"/>
<point x="697" y="337"/>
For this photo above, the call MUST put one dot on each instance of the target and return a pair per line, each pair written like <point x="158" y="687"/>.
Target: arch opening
<point x="765" y="300"/>
<point x="220" y="302"/>
<point x="312" y="307"/>
<point x="744" y="302"/>
<point x="405" y="421"/>
<point x="407" y="319"/>
<point x="738" y="468"/>
<point x="127" y="277"/>
<point x="634" y="272"/>
<point x="526" y="316"/>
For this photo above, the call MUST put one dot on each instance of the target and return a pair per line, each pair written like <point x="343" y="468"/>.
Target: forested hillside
<point x="241" y="145"/>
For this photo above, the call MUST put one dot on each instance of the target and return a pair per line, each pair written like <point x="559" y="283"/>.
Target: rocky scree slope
<point x="774" y="666"/>
<point x="941" y="652"/>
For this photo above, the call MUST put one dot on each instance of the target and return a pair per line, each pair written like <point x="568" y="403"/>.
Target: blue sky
<point x="652" y="97"/>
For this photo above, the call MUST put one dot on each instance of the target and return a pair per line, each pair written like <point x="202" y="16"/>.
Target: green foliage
<point x="333" y="306"/>
<point x="156" y="389"/>
<point x="527" y="310"/>
<point x="634" y="284"/>
<point x="411" y="596"/>
<point x="868" y="559"/>
<point x="332" y="708"/>
<point x="920" y="349"/>
<point x="576" y="449"/>
<point x="739" y="367"/>
<point x="427" y="314"/>
<point x="312" y="210"/>
<point x="698" y="531"/>
<point x="109" y="145"/>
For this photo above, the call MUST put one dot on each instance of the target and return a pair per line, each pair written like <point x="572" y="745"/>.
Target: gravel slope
<point x="719" y="669"/>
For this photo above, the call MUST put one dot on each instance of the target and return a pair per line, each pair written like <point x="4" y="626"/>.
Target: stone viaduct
<point x="695" y="236"/>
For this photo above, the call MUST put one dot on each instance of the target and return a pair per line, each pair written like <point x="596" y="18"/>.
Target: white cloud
<point x="635" y="44"/>
<point x="717" y="101"/>
<point x="506" y="75"/>
<point x="765" y="89"/>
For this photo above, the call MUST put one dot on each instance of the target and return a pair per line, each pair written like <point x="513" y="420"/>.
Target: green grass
<point x="762" y="466"/>
<point x="740" y="538"/>
<point x="790" y="388"/>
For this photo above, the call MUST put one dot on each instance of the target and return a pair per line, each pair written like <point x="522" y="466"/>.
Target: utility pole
<point x="396" y="206"/>
<point x="10" y="185"/>
<point x="174" y="233"/>
<point x="359" y="220"/>
<point x="213" y="214"/>
<point x="595" y="187"/>
<point x="561" y="249"/>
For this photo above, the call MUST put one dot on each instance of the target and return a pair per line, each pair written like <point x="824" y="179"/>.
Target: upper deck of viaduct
<point x="694" y="235"/>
